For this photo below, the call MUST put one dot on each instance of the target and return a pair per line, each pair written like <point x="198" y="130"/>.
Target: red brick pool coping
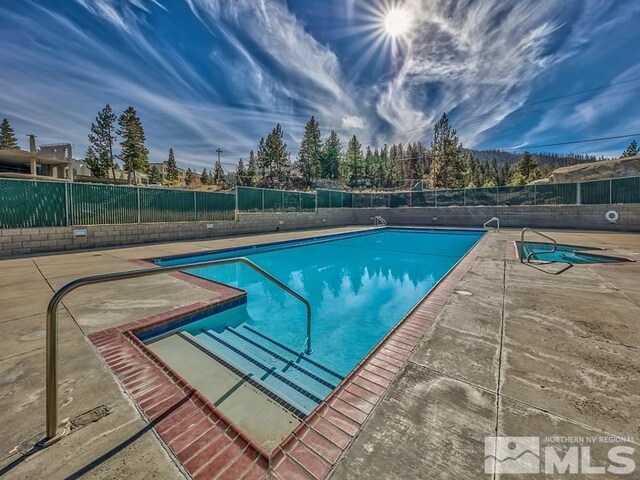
<point x="208" y="444"/>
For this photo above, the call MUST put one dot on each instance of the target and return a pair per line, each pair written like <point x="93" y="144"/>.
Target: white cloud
<point x="476" y="57"/>
<point x="352" y="122"/>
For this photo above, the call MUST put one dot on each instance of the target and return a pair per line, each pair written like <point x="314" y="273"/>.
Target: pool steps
<point x="289" y="375"/>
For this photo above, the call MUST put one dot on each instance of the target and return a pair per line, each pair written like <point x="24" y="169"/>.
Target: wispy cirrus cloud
<point x="475" y="59"/>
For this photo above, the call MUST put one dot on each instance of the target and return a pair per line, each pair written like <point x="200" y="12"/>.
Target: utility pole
<point x="219" y="151"/>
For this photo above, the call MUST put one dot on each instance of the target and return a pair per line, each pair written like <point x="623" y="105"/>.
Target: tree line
<point x="444" y="164"/>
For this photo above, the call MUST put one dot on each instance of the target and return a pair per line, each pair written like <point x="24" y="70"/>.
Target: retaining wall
<point x="50" y="239"/>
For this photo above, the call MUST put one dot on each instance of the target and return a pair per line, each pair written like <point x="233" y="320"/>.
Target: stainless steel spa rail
<point x="378" y="220"/>
<point x="524" y="230"/>
<point x="53" y="431"/>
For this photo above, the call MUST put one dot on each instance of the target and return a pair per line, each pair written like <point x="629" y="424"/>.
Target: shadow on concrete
<point x="107" y="455"/>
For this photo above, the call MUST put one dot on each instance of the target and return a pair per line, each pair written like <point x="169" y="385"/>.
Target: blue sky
<point x="205" y="74"/>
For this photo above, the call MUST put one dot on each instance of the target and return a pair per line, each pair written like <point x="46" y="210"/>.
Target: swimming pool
<point x="574" y="254"/>
<point x="359" y="285"/>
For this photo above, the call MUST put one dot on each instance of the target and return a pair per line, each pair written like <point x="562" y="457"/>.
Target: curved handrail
<point x="378" y="220"/>
<point x="524" y="230"/>
<point x="496" y="219"/>
<point x="53" y="434"/>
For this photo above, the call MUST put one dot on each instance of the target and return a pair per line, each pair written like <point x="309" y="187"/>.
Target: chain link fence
<point x="33" y="203"/>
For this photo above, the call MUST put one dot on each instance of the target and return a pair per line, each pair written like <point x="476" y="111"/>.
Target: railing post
<point x="236" y="201"/>
<point x="195" y="207"/>
<point x="436" y="196"/>
<point x="66" y="203"/>
<point x="497" y="196"/>
<point x="139" y="206"/>
<point x="578" y="193"/>
<point x="262" y="190"/>
<point x="464" y="197"/>
<point x="610" y="191"/>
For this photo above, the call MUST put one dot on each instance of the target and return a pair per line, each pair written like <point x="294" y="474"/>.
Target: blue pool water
<point x="542" y="252"/>
<point x="359" y="286"/>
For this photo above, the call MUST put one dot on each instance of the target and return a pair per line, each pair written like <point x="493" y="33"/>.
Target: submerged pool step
<point x="296" y="385"/>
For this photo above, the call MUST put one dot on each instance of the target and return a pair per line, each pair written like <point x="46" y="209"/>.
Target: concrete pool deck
<point x="514" y="351"/>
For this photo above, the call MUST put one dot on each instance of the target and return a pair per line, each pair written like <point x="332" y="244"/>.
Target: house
<point x="49" y="162"/>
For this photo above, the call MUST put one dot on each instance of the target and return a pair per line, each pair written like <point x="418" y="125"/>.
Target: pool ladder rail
<point x="494" y="219"/>
<point x="53" y="431"/>
<point x="379" y="221"/>
<point x="524" y="230"/>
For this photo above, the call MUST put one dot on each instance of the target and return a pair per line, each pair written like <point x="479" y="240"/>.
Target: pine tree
<point x="354" y="160"/>
<point x="8" y="140"/>
<point x="505" y="174"/>
<point x="446" y="163"/>
<point x="134" y="154"/>
<point x="189" y="176"/>
<point x="368" y="166"/>
<point x="310" y="151"/>
<point x="277" y="155"/>
<point x="263" y="160"/>
<point x="241" y="174"/>
<point x="218" y="176"/>
<point x="102" y="138"/>
<point x="205" y="178"/>
<point x="172" y="167"/>
<point x="98" y="169"/>
<point x="331" y="152"/>
<point x="631" y="151"/>
<point x="154" y="175"/>
<point x="252" y="170"/>
<point x="526" y="170"/>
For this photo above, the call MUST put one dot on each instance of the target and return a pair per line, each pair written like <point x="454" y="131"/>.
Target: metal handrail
<point x="496" y="219"/>
<point x="378" y="220"/>
<point x="53" y="433"/>
<point x="555" y="244"/>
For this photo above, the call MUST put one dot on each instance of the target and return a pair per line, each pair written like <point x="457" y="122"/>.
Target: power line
<point x="560" y="97"/>
<point x="613" y="137"/>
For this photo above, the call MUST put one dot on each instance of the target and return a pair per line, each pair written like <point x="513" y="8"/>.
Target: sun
<point x="397" y="22"/>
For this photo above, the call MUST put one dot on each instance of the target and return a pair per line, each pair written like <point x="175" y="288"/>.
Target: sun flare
<point x="397" y="21"/>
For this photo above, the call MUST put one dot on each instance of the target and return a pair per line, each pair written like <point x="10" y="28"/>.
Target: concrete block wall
<point x="27" y="241"/>
<point x="583" y="217"/>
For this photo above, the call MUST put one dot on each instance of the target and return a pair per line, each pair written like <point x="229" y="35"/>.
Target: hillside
<point x="619" y="167"/>
<point x="503" y="156"/>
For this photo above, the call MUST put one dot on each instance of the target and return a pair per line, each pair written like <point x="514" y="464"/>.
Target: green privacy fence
<point x="619" y="190"/>
<point x="31" y="203"/>
<point x="27" y="203"/>
<point x="266" y="200"/>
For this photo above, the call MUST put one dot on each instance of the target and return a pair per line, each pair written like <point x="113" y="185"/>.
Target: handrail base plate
<point x="47" y="442"/>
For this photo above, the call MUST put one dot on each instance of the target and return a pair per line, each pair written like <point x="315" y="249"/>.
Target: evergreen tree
<point x="134" y="154"/>
<point x="277" y="155"/>
<point x="205" y="178"/>
<point x="354" y="160"/>
<point x="218" y="177"/>
<point x="172" y="167"/>
<point x="252" y="170"/>
<point x="383" y="170"/>
<point x="331" y="152"/>
<point x="368" y="166"/>
<point x="98" y="169"/>
<point x="446" y="162"/>
<point x="154" y="175"/>
<point x="102" y="138"/>
<point x="241" y="174"/>
<point x="8" y="140"/>
<point x="526" y="170"/>
<point x="505" y="174"/>
<point x="189" y="177"/>
<point x="631" y="151"/>
<point x="310" y="151"/>
<point x="263" y="160"/>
